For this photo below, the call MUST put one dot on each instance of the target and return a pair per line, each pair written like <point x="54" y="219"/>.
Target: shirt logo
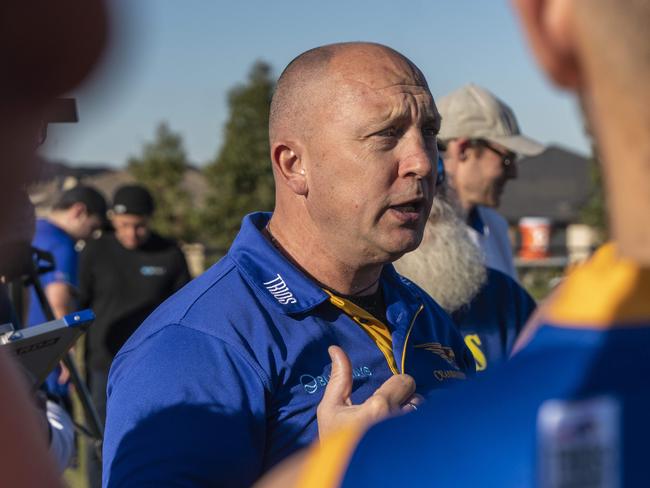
<point x="312" y="384"/>
<point x="152" y="270"/>
<point x="445" y="352"/>
<point x="280" y="290"/>
<point x="473" y="343"/>
<point x="446" y="374"/>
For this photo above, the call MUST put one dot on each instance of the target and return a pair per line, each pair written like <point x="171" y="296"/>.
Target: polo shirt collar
<point x="286" y="288"/>
<point x="475" y="221"/>
<point x="273" y="278"/>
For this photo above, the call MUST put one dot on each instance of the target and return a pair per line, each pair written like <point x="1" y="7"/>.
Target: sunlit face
<point x="371" y="162"/>
<point x="483" y="176"/>
<point x="131" y="230"/>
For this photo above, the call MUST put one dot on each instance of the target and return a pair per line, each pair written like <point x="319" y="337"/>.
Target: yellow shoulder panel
<point x="606" y="289"/>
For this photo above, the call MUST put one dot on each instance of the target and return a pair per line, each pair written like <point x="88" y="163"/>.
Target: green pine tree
<point x="240" y="178"/>
<point x="160" y="168"/>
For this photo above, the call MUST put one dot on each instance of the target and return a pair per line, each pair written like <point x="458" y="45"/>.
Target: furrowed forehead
<point x="377" y="67"/>
<point x="325" y="78"/>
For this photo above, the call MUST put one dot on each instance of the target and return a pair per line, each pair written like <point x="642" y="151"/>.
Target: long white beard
<point x="448" y="265"/>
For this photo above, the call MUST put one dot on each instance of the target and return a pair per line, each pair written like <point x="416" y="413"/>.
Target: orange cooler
<point x="535" y="237"/>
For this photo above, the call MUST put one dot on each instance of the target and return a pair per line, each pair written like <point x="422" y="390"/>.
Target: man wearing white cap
<point x="480" y="141"/>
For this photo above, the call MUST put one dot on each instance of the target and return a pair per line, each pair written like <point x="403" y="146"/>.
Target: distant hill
<point x="57" y="176"/>
<point x="49" y="170"/>
<point x="555" y="184"/>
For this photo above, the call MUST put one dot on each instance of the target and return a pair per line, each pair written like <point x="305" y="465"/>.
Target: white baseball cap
<point x="475" y="113"/>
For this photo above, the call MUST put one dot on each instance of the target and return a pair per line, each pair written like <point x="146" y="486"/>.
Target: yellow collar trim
<point x="607" y="289"/>
<point x="375" y="328"/>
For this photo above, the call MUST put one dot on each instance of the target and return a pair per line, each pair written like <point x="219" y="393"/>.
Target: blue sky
<point x="175" y="61"/>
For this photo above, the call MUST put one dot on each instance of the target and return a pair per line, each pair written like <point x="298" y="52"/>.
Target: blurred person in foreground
<point x="124" y="276"/>
<point x="571" y="408"/>
<point x="480" y="142"/>
<point x="223" y="380"/>
<point x="41" y="60"/>
<point x="488" y="307"/>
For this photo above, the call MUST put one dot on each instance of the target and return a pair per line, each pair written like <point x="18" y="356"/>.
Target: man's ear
<point x="460" y="148"/>
<point x="289" y="166"/>
<point x="550" y="28"/>
<point x="78" y="209"/>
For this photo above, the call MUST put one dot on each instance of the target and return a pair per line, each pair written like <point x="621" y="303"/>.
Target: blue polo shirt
<point x="222" y="381"/>
<point x="571" y="409"/>
<point x="491" y="322"/>
<point x="48" y="237"/>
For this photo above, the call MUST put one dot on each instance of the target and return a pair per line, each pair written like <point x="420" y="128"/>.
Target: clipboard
<point x="40" y="348"/>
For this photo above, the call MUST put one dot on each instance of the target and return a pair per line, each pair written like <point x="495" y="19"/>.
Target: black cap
<point x="134" y="200"/>
<point x="91" y="198"/>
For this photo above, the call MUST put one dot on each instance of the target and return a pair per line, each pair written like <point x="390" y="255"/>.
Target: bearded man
<point x="488" y="306"/>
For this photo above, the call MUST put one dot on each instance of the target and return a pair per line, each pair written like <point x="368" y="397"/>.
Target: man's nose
<point x="419" y="158"/>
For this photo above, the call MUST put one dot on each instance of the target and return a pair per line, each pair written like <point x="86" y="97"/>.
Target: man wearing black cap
<point x="75" y="216"/>
<point x="123" y="276"/>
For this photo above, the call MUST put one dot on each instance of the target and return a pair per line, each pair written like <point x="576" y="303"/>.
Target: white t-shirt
<point x="489" y="230"/>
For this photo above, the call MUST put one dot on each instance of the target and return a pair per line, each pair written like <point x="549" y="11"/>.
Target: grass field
<point x="76" y="477"/>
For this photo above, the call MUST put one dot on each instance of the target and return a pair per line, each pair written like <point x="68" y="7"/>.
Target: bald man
<point x="575" y="408"/>
<point x="223" y="380"/>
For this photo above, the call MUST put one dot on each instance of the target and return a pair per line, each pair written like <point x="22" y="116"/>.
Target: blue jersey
<point x="491" y="322"/>
<point x="51" y="238"/>
<point x="222" y="381"/>
<point x="48" y="237"/>
<point x="569" y="410"/>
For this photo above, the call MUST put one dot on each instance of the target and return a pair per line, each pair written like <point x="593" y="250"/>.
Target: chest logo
<point x="445" y="352"/>
<point x="152" y="270"/>
<point x="312" y="384"/>
<point x="280" y="290"/>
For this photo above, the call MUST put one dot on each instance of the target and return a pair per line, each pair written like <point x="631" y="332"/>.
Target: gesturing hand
<point x="336" y="409"/>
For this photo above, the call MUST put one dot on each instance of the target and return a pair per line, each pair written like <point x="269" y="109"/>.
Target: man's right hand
<point x="336" y="409"/>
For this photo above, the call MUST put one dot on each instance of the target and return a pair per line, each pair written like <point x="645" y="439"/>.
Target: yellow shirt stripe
<point x="375" y="328"/>
<point x="334" y="453"/>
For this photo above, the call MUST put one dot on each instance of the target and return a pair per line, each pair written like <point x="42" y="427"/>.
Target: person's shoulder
<point x="47" y="235"/>
<point x="209" y="308"/>
<point x="500" y="279"/>
<point x="157" y="242"/>
<point x="505" y="287"/>
<point x="413" y="288"/>
<point x="98" y="245"/>
<point x="492" y="218"/>
<point x="202" y="302"/>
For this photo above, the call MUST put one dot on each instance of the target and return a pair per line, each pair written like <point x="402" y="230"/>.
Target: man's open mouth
<point x="408" y="211"/>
